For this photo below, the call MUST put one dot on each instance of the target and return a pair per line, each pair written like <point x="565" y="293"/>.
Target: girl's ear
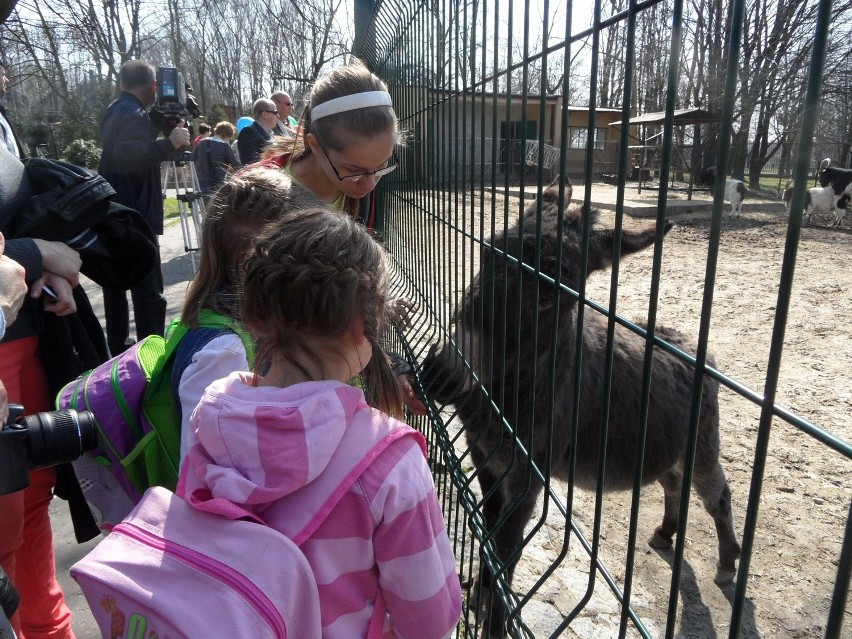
<point x="357" y="331"/>
<point x="312" y="144"/>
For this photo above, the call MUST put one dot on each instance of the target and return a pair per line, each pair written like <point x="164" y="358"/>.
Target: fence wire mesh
<point x="551" y="415"/>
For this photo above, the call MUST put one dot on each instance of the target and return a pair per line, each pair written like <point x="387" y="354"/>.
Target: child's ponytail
<point x="381" y="389"/>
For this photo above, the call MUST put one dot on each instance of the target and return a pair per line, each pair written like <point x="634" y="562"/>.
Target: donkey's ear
<point x="551" y="193"/>
<point x="602" y="245"/>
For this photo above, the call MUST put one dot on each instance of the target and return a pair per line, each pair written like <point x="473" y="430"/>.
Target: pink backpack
<point x="169" y="570"/>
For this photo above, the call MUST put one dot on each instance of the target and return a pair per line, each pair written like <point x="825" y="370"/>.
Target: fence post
<point x="363" y="11"/>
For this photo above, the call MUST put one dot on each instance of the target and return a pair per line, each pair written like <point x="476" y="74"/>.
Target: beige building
<point x="490" y="135"/>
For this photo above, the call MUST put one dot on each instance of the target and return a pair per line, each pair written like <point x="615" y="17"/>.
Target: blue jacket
<point x="131" y="158"/>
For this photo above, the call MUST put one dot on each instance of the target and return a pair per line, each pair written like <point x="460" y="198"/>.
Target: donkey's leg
<point x="492" y="505"/>
<point x="519" y="500"/>
<point x="671" y="483"/>
<point x="712" y="487"/>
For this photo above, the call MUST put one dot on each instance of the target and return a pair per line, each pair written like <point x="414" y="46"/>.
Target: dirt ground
<point x="807" y="487"/>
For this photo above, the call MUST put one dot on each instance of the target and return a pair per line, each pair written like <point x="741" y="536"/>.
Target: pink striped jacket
<point x="280" y="452"/>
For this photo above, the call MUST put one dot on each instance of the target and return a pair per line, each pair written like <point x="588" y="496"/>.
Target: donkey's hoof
<point x="479" y="598"/>
<point x="724" y="575"/>
<point x="660" y="541"/>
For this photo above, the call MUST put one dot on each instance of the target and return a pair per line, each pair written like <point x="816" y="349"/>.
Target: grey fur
<point x="488" y="342"/>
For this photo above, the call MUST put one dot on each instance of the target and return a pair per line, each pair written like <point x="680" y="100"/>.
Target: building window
<point x="577" y="137"/>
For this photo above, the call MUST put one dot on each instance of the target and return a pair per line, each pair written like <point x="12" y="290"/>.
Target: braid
<point x="315" y="274"/>
<point x="238" y="210"/>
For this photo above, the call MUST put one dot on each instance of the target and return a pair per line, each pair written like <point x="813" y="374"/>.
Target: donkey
<point x="493" y="349"/>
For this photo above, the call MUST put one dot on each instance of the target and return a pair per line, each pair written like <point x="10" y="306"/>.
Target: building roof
<point x="681" y="116"/>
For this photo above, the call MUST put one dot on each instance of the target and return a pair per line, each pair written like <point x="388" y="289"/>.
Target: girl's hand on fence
<point x="414" y="403"/>
<point x="401" y="310"/>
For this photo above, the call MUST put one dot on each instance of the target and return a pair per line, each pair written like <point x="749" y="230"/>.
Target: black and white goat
<point x="735" y="190"/>
<point x="820" y="199"/>
<point x="840" y="181"/>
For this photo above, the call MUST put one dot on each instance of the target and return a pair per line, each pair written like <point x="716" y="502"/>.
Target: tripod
<point x="191" y="206"/>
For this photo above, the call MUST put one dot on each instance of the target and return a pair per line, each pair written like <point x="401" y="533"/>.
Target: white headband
<point x="351" y="102"/>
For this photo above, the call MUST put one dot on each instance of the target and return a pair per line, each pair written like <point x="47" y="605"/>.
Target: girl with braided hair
<point x="237" y="213"/>
<point x="279" y="441"/>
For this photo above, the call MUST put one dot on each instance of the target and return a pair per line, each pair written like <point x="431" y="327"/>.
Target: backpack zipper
<point x="213" y="568"/>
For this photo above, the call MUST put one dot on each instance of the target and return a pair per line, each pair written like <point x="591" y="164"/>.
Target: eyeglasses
<point x="284" y="103"/>
<point x="268" y="111"/>
<point x="392" y="164"/>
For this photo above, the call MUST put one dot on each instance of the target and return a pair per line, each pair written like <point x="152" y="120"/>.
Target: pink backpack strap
<point x="377" y="621"/>
<point x="337" y="494"/>
<point x="380" y="609"/>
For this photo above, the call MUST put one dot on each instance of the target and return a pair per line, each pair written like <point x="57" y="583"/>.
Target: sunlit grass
<point x="170" y="208"/>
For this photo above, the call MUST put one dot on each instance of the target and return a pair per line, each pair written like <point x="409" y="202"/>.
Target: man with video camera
<point x="130" y="162"/>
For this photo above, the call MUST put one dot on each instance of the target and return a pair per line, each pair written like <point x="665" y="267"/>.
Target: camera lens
<point x="59" y="436"/>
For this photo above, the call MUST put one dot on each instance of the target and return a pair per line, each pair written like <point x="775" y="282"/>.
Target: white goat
<point x="735" y="190"/>
<point x="820" y="199"/>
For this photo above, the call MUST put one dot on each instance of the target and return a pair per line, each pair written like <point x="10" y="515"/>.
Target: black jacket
<point x="131" y="158"/>
<point x="251" y="141"/>
<point x="68" y="345"/>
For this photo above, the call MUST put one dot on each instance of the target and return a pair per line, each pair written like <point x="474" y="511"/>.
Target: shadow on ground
<point x="178" y="269"/>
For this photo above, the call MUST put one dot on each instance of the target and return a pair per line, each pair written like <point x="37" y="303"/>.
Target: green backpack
<point x="137" y="417"/>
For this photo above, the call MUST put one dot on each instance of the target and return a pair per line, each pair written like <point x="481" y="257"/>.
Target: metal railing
<point x="447" y="214"/>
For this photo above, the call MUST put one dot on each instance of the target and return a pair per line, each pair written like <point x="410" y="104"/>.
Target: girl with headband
<point x="346" y="140"/>
<point x="344" y="145"/>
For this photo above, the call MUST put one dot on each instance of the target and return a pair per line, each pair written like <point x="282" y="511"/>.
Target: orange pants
<point x="26" y="540"/>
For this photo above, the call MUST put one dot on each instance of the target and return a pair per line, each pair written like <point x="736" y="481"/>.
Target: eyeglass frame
<point x="393" y="162"/>
<point x="268" y="111"/>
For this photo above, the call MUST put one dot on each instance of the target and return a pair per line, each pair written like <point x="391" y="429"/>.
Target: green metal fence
<point x="478" y="151"/>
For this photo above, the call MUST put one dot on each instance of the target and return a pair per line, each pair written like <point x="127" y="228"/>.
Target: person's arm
<point x="13" y="288"/>
<point x="50" y="263"/>
<point x="247" y="145"/>
<point x="252" y="143"/>
<point x="417" y="569"/>
<point x="220" y="357"/>
<point x="131" y="147"/>
<point x="26" y="252"/>
<point x="63" y="302"/>
<point x="231" y="157"/>
<point x="60" y="259"/>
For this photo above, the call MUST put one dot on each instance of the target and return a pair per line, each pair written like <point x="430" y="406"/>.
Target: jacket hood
<point x="259" y="444"/>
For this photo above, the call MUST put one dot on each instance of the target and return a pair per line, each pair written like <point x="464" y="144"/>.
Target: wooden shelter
<point x="681" y="117"/>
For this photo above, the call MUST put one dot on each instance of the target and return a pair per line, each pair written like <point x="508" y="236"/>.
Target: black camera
<point x="174" y="97"/>
<point x="41" y="440"/>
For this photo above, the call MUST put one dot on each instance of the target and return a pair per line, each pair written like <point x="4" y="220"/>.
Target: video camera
<point x="41" y="440"/>
<point x="174" y="97"/>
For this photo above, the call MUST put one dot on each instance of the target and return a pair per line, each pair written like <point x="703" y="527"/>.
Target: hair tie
<point x="351" y="102"/>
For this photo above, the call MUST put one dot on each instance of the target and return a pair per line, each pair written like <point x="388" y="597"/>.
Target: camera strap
<point x="209" y="158"/>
